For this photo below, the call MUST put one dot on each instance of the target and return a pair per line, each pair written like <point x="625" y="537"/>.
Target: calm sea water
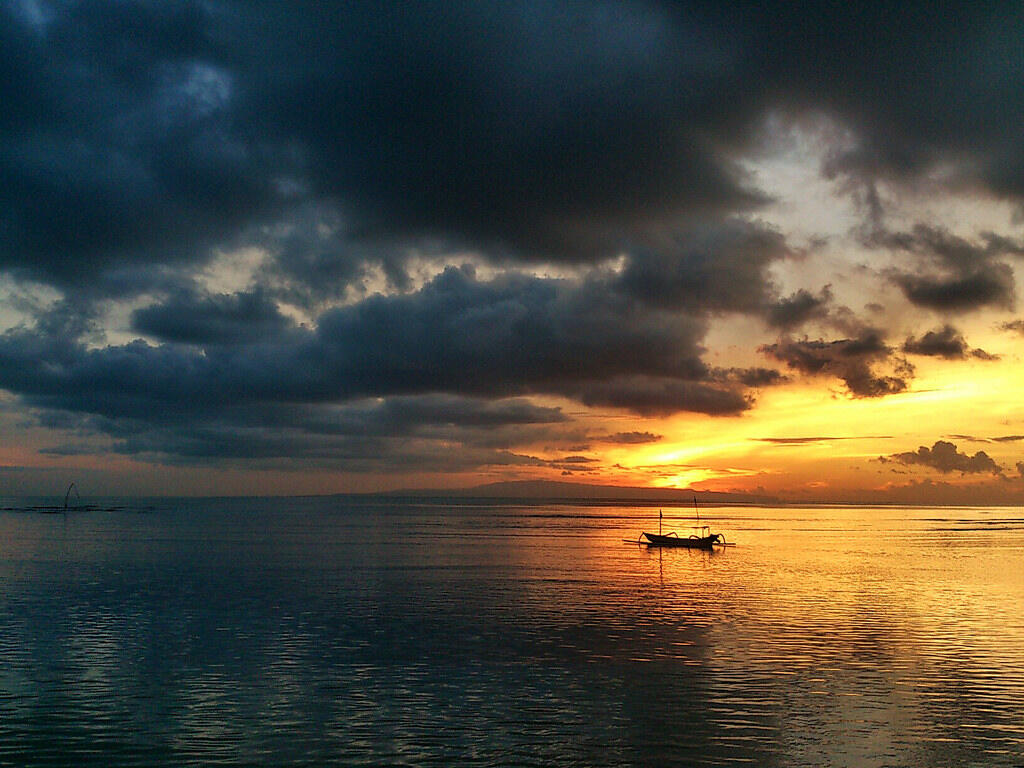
<point x="325" y="632"/>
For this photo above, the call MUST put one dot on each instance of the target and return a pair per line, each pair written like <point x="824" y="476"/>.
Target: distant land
<point x="554" y="490"/>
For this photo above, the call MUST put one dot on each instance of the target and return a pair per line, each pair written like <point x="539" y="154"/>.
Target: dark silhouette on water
<point x="701" y="538"/>
<point x="55" y="509"/>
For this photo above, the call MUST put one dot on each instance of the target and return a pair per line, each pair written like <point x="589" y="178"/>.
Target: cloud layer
<point x="149" y="132"/>
<point x="470" y="211"/>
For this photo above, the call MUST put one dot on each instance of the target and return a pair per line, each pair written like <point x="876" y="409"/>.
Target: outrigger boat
<point x="701" y="538"/>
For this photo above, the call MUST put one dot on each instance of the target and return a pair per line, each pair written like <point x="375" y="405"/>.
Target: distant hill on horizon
<point x="566" y="491"/>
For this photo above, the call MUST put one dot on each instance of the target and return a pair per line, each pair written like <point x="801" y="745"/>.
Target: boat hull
<point x="694" y="542"/>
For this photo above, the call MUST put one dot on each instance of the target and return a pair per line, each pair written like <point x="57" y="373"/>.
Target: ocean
<point x="340" y="631"/>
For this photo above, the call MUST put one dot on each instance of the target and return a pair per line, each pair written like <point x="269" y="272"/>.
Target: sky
<point x="260" y="247"/>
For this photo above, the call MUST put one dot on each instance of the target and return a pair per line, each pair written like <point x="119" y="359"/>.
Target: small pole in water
<point x="696" y="510"/>
<point x="659" y="522"/>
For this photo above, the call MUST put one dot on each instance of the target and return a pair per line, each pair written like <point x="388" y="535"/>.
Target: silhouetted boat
<point x="703" y="539"/>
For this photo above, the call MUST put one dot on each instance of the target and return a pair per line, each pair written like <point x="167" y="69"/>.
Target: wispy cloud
<point x="816" y="439"/>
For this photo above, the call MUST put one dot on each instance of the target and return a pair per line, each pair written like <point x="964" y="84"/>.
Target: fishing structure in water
<point x="67" y="495"/>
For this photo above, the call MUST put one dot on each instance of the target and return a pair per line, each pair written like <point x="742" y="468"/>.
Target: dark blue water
<point x="324" y="632"/>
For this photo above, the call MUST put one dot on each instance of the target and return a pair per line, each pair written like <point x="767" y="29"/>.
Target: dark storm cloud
<point x="137" y="139"/>
<point x="660" y="396"/>
<point x="790" y="312"/>
<point x="120" y="147"/>
<point x="447" y="356"/>
<point x="989" y="286"/>
<point x="946" y="342"/>
<point x="944" y="457"/>
<point x="537" y="127"/>
<point x="719" y="267"/>
<point x="436" y="416"/>
<point x="205" y="320"/>
<point x="511" y="335"/>
<point x="426" y="432"/>
<point x="544" y="125"/>
<point x="955" y="274"/>
<point x="279" y="449"/>
<point x="315" y="257"/>
<point x="946" y="248"/>
<point x="142" y="133"/>
<point x="962" y="113"/>
<point x="514" y="334"/>
<point x="852" y="360"/>
<point x="793" y="311"/>
<point x="449" y="409"/>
